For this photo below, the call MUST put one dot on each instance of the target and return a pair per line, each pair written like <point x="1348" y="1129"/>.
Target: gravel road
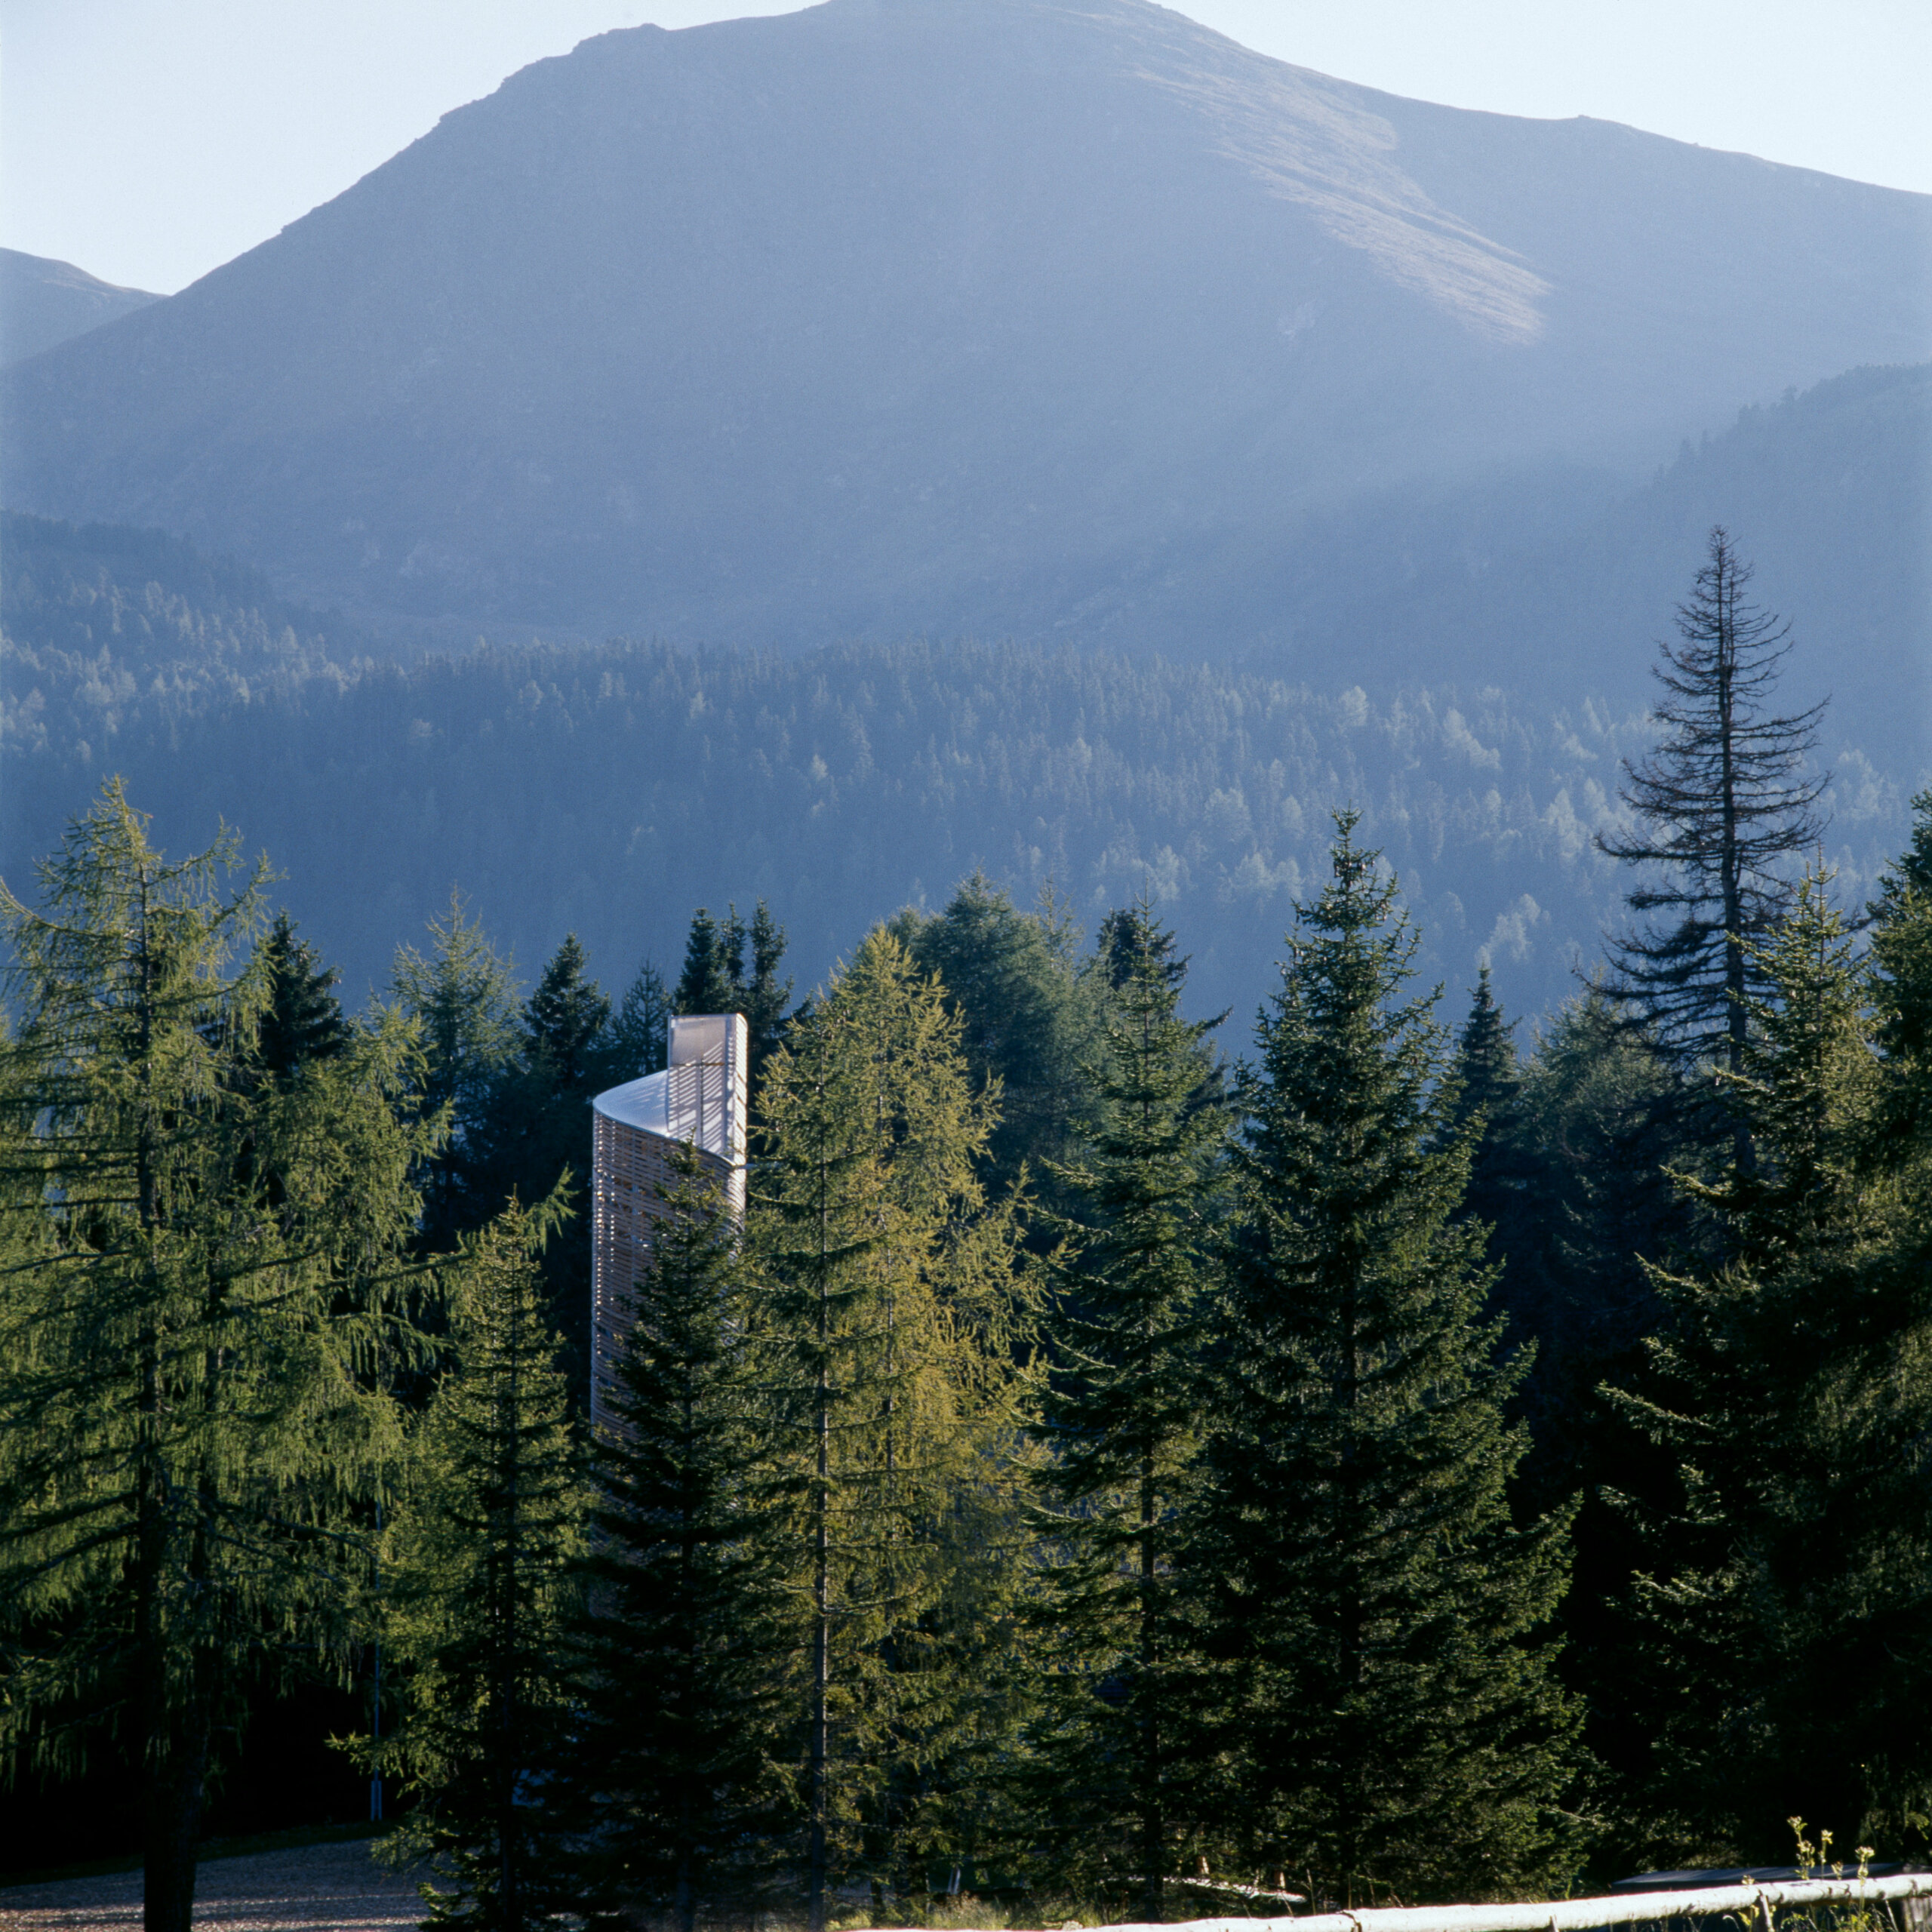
<point x="319" y="1888"/>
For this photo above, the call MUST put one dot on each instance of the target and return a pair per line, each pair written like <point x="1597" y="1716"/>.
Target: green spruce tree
<point x="1122" y="1423"/>
<point x="1724" y="806"/>
<point x="192" y="1425"/>
<point x="639" y="1034"/>
<point x="462" y="996"/>
<point x="302" y="1020"/>
<point x="564" y="1020"/>
<point x="717" y="977"/>
<point x="478" y="1590"/>
<point x="674" y="1765"/>
<point x="531" y="1135"/>
<point x="1392" y="1723"/>
<point x="1488" y="1079"/>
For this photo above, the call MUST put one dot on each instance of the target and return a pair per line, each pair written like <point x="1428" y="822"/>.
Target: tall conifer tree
<point x="717" y="977"/>
<point x="302" y="1019"/>
<point x="1395" y="1729"/>
<point x="462" y="994"/>
<point x="191" y="1426"/>
<point x="895" y="1307"/>
<point x="674" y="1766"/>
<point x="1725" y="804"/>
<point x="477" y="1596"/>
<point x="1122" y="1423"/>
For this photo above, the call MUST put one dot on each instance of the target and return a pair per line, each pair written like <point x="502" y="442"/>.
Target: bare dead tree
<point x="1725" y="801"/>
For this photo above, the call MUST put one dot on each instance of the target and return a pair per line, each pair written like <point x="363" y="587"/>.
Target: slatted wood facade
<point x="699" y="1100"/>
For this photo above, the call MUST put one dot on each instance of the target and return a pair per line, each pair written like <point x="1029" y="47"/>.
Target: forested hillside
<point x="607" y="790"/>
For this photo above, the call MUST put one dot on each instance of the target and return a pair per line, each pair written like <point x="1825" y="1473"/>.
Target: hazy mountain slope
<point x="1559" y="581"/>
<point x="44" y="302"/>
<point x="885" y="316"/>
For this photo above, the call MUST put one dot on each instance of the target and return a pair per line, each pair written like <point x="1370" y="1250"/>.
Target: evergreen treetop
<point x="1724" y="807"/>
<point x="717" y="977"/>
<point x="302" y="1020"/>
<point x="564" y="1018"/>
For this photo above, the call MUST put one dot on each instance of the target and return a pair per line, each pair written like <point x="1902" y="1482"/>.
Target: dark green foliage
<point x="531" y="1137"/>
<point x="1011" y="978"/>
<point x="897" y="1316"/>
<point x="1601" y="1116"/>
<point x="1122" y="1422"/>
<point x="477" y="1594"/>
<point x="1902" y="915"/>
<point x="193" y="1420"/>
<point x="1786" y="1611"/>
<point x="1725" y="806"/>
<point x="673" y="1769"/>
<point x="719" y="977"/>
<point x="302" y="1020"/>
<point x="712" y="974"/>
<point x="639" y="1034"/>
<point x="564" y="1020"/>
<point x="462" y="998"/>
<point x="1374" y="1611"/>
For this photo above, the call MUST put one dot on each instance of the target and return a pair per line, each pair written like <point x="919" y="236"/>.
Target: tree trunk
<point x="176" y="1775"/>
<point x="821" y="1596"/>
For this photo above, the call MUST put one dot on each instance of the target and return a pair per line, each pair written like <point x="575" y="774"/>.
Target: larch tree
<point x="1725" y="804"/>
<point x="1122" y="1423"/>
<point x="478" y="1588"/>
<point x="895" y="1310"/>
<point x="675" y="1765"/>
<point x="193" y="1421"/>
<point x="1388" y="1718"/>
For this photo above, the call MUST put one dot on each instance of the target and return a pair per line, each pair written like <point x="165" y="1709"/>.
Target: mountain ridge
<point x="879" y="318"/>
<point x="44" y="302"/>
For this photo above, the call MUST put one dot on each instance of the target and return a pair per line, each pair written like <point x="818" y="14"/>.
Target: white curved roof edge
<point x="645" y="1103"/>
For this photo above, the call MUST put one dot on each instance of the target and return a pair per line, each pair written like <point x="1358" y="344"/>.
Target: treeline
<point x="1376" y="1466"/>
<point x="606" y="789"/>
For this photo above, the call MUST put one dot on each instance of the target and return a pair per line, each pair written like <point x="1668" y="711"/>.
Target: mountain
<point x="44" y="302"/>
<point x="1051" y="318"/>
<point x="1555" y="582"/>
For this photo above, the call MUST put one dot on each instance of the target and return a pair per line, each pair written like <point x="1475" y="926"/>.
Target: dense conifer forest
<point x="1127" y="1449"/>
<point x="606" y="790"/>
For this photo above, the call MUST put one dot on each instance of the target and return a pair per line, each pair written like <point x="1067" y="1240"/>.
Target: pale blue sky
<point x="151" y="140"/>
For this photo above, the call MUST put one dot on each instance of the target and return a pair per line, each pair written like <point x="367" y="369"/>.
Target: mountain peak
<point x="886" y="316"/>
